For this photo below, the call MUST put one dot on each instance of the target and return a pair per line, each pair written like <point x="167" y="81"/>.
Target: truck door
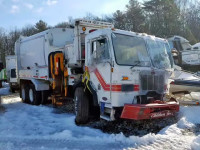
<point x="100" y="68"/>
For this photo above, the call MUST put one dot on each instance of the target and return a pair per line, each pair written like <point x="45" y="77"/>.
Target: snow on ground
<point x="28" y="127"/>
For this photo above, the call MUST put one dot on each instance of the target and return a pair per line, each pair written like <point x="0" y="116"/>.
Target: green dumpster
<point x="3" y="76"/>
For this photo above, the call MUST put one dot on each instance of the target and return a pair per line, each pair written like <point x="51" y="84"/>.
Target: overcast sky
<point x="18" y="13"/>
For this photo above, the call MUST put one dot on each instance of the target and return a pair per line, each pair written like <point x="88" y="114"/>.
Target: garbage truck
<point x="109" y="73"/>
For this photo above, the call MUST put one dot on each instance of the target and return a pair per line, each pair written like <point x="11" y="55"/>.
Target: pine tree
<point x="134" y="17"/>
<point x="119" y="19"/>
<point x="163" y="17"/>
<point x="41" y="26"/>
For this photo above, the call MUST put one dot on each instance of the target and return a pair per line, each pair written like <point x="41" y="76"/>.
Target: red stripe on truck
<point x="43" y="77"/>
<point x="106" y="87"/>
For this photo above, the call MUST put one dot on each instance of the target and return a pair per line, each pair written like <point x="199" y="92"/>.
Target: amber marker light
<point x="84" y="28"/>
<point x="125" y="78"/>
<point x="112" y="69"/>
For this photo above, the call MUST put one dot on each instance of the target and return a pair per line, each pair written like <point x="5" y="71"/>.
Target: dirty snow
<point x="27" y="127"/>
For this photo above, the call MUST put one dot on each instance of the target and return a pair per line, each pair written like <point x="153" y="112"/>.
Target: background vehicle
<point x="196" y="46"/>
<point x="187" y="57"/>
<point x="111" y="73"/>
<point x="11" y="72"/>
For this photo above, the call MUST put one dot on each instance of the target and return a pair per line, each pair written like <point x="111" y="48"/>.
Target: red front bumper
<point x="149" y="111"/>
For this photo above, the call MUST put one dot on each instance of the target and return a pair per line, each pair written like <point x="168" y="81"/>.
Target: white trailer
<point x="110" y="73"/>
<point x="11" y="64"/>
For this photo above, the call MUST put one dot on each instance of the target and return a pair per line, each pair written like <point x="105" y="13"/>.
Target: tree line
<point x="162" y="18"/>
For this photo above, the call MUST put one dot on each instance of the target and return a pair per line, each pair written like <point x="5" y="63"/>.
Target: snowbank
<point x="24" y="126"/>
<point x="196" y="143"/>
<point x="189" y="116"/>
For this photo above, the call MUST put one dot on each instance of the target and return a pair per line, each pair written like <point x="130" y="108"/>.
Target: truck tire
<point x="81" y="106"/>
<point x="34" y="96"/>
<point x="24" y="93"/>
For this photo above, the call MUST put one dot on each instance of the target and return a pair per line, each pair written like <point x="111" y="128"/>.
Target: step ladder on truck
<point x="110" y="73"/>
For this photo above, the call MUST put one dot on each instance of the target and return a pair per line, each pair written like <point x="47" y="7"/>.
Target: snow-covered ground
<point x="28" y="127"/>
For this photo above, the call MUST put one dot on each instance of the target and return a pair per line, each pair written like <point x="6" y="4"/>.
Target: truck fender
<point x="40" y="85"/>
<point x="94" y="94"/>
<point x="90" y="91"/>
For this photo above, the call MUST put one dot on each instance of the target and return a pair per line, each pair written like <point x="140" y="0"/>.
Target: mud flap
<point x="149" y="111"/>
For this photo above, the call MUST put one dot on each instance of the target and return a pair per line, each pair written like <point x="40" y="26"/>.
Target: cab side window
<point x="100" y="50"/>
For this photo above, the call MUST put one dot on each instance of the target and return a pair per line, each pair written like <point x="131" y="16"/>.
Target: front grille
<point x="152" y="81"/>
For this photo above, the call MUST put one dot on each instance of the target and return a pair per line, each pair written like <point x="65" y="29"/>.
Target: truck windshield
<point x="158" y="52"/>
<point x="130" y="50"/>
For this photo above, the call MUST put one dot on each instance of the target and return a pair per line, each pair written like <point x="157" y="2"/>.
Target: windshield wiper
<point x="140" y="63"/>
<point x="136" y="63"/>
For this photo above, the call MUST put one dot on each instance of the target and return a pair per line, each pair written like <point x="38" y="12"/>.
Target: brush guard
<point x="154" y="110"/>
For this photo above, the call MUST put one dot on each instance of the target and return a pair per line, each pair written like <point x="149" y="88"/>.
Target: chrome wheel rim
<point x="23" y="94"/>
<point x="31" y="95"/>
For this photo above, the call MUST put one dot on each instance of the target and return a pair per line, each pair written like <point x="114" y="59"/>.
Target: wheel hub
<point x="31" y="95"/>
<point x="23" y="93"/>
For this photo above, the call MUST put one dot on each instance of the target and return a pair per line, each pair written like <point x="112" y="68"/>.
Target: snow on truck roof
<point x="142" y="35"/>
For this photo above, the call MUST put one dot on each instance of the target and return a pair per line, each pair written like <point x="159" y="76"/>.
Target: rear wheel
<point x="81" y="106"/>
<point x="34" y="96"/>
<point x="24" y="93"/>
<point x="1" y="84"/>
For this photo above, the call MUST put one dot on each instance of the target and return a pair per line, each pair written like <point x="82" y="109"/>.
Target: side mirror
<point x="174" y="52"/>
<point x="176" y="56"/>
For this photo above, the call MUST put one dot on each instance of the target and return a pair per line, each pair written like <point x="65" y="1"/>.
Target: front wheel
<point x="81" y="106"/>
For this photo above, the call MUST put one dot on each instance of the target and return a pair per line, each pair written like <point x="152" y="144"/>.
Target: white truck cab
<point x="126" y="68"/>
